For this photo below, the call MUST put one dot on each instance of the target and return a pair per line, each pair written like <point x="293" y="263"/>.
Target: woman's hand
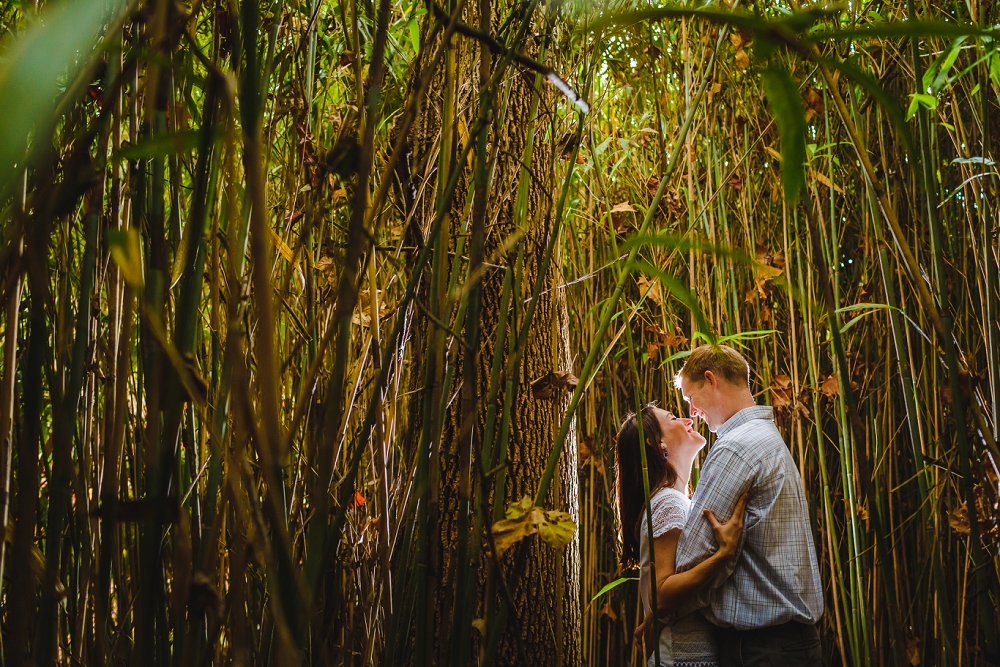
<point x="642" y="629"/>
<point x="644" y="634"/>
<point x="728" y="534"/>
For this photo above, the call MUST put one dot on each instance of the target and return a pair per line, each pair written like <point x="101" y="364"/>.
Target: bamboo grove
<point x="314" y="312"/>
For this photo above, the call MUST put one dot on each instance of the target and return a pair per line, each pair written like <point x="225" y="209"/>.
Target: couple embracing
<point x="741" y="593"/>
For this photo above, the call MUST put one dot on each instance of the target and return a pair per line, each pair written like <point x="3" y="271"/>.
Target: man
<point x="766" y="607"/>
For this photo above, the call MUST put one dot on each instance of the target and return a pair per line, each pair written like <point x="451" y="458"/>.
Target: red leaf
<point x="358" y="501"/>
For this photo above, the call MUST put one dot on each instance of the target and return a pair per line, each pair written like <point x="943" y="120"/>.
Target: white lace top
<point x="688" y="642"/>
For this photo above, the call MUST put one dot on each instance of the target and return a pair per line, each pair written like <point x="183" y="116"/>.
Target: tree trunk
<point x="545" y="622"/>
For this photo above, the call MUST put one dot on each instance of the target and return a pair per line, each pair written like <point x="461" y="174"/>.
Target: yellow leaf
<point x="126" y="250"/>
<point x="508" y="532"/>
<point x="558" y="529"/>
<point x="524" y="519"/>
<point x="822" y="178"/>
<point x="282" y="247"/>
<point x="515" y="510"/>
<point x="773" y="153"/>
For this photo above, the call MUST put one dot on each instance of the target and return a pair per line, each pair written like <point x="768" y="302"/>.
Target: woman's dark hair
<point x="630" y="498"/>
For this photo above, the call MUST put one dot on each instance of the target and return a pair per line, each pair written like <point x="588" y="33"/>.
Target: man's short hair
<point x="722" y="360"/>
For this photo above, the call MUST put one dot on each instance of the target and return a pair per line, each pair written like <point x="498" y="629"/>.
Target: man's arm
<point x="725" y="478"/>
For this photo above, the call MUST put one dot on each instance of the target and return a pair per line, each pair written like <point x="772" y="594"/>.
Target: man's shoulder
<point x="754" y="435"/>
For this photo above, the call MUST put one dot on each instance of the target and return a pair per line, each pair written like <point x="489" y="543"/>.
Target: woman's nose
<point x="689" y="422"/>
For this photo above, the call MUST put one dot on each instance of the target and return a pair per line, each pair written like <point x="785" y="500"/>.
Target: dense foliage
<point x="243" y="286"/>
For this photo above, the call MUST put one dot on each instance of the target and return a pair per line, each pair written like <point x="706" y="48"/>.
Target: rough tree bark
<point x="547" y="604"/>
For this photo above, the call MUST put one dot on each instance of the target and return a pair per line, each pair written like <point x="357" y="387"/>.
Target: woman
<point x="671" y="446"/>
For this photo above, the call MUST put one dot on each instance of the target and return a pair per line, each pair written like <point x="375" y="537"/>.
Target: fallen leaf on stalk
<point x="608" y="611"/>
<point x="651" y="289"/>
<point x="524" y="519"/>
<point x="966" y="383"/>
<point x="769" y="260"/>
<point x="673" y="202"/>
<point x="958" y="519"/>
<point x="822" y="178"/>
<point x="781" y="392"/>
<point x="813" y="103"/>
<point x="203" y="595"/>
<point x="862" y="512"/>
<point x="548" y="385"/>
<point x="623" y="207"/>
<point x="666" y="339"/>
<point x="830" y="386"/>
<point x="358" y="500"/>
<point x="586" y="449"/>
<point x="558" y="529"/>
<point x="126" y="250"/>
<point x="282" y="247"/>
<point x="713" y="91"/>
<point x="913" y="651"/>
<point x="652" y="185"/>
<point x="742" y="59"/>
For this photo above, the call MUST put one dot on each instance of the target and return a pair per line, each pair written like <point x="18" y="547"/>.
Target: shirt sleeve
<point x="669" y="513"/>
<point x="724" y="479"/>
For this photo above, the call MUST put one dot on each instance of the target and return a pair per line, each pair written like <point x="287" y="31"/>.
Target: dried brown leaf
<point x="830" y="386"/>
<point x="548" y="385"/>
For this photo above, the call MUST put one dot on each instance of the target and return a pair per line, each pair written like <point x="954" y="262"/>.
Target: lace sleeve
<point x="669" y="512"/>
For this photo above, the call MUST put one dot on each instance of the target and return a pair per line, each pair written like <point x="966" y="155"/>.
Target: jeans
<point x="790" y="644"/>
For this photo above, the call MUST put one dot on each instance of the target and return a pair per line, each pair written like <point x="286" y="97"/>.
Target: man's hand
<point x="728" y="534"/>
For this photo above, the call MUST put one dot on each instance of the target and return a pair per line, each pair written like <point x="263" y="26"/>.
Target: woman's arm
<point x="674" y="589"/>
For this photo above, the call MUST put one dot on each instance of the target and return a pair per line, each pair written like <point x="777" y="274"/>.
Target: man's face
<point x="702" y="400"/>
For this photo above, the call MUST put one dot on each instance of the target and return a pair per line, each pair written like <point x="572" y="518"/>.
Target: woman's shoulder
<point x="670" y="508"/>
<point x="668" y="495"/>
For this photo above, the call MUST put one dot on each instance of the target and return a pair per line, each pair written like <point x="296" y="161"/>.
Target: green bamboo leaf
<point x="684" y="243"/>
<point x="912" y="29"/>
<point x="682" y="293"/>
<point x="162" y="145"/>
<point x="941" y="67"/>
<point x="614" y="584"/>
<point x="747" y="335"/>
<point x="35" y="68"/>
<point x="919" y="99"/>
<point x="888" y="104"/>
<point x="792" y="23"/>
<point x="786" y="106"/>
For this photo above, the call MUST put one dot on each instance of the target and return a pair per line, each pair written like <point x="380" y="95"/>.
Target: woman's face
<point x="677" y="435"/>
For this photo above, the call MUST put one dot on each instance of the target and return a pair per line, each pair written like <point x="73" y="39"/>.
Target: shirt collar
<point x="743" y="416"/>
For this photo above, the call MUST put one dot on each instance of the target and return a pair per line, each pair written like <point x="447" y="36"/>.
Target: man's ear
<point x="711" y="379"/>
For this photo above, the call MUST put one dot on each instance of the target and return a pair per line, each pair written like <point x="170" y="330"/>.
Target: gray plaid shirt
<point x="775" y="577"/>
